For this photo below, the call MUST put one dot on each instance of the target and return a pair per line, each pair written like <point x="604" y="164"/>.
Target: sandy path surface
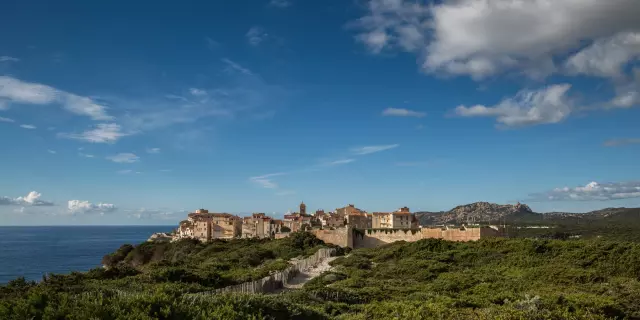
<point x="304" y="276"/>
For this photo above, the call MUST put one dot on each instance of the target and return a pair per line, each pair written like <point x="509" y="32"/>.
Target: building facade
<point x="399" y="219"/>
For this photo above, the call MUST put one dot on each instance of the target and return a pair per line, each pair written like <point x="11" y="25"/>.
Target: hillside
<point x="427" y="279"/>
<point x="478" y="212"/>
<point x="484" y="212"/>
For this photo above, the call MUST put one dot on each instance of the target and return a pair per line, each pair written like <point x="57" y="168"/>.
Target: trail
<point x="306" y="275"/>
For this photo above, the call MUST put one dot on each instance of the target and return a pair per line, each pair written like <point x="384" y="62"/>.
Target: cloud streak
<point x="621" y="142"/>
<point x="16" y="91"/>
<point x="339" y="162"/>
<point x="102" y="133"/>
<point x="372" y="149"/>
<point x="8" y="59"/>
<point x="398" y="112"/>
<point x="266" y="181"/>
<point x="124" y="158"/>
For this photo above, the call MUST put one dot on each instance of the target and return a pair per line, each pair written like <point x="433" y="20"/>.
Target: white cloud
<point x="85" y="155"/>
<point x="265" y="181"/>
<point x="486" y="37"/>
<point x="372" y="149"/>
<point x="592" y="191"/>
<point x="233" y="66"/>
<point x="85" y="207"/>
<point x="102" y="133"/>
<point x="21" y="92"/>
<point x="621" y="142"/>
<point x="627" y="92"/>
<point x="197" y="92"/>
<point x="256" y="35"/>
<point x="547" y="105"/>
<point x="153" y="150"/>
<point x="6" y="120"/>
<point x="124" y="158"/>
<point x="399" y="112"/>
<point x="339" y="162"/>
<point x="51" y="151"/>
<point x="8" y="59"/>
<point x="606" y="57"/>
<point x="31" y="199"/>
<point x="28" y="126"/>
<point x="280" y="3"/>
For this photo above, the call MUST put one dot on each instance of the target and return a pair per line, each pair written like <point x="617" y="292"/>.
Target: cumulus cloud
<point x="22" y="92"/>
<point x="101" y="133"/>
<point x="256" y="35"/>
<point x="124" y="158"/>
<point x="6" y="120"/>
<point x="153" y="150"/>
<point x="606" y="57"/>
<point x="627" y="92"/>
<point x="372" y="149"/>
<point x="547" y="105"/>
<point x="85" y="207"/>
<point x="31" y="199"/>
<point x="28" y="126"/>
<point x="592" y="191"/>
<point x="399" y="112"/>
<point x="487" y="37"/>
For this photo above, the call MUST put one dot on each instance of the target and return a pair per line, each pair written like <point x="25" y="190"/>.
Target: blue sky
<point x="134" y="113"/>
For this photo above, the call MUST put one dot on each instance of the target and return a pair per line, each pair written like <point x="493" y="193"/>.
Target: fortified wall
<point x="371" y="238"/>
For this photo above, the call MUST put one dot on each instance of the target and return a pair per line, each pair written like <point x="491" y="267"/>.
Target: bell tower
<point x="303" y="208"/>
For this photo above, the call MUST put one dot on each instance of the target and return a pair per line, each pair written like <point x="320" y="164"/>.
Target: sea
<point x="32" y="252"/>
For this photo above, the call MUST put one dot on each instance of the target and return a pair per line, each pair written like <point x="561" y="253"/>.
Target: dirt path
<point x="306" y="275"/>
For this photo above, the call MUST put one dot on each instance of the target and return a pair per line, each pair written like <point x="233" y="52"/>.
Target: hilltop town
<point x="336" y="227"/>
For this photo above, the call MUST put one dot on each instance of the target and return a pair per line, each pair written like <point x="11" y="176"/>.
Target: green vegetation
<point x="428" y="279"/>
<point x="622" y="225"/>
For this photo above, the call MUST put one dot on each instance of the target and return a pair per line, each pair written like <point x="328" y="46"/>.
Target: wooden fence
<point x="279" y="279"/>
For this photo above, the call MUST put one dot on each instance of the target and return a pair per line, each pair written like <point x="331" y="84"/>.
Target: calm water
<point x="34" y="251"/>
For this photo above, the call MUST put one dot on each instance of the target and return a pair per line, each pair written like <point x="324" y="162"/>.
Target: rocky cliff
<point x="479" y="212"/>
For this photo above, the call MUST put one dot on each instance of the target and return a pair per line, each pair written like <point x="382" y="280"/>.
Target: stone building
<point x="303" y="209"/>
<point x="205" y="226"/>
<point x="399" y="219"/>
<point x="258" y="225"/>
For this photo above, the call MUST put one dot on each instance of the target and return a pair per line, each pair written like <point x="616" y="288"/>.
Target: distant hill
<point x="484" y="212"/>
<point x="479" y="212"/>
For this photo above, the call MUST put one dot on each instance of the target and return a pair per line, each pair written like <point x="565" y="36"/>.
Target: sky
<point x="115" y="112"/>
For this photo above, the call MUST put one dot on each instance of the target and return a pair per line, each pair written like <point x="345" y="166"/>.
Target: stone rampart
<point x="340" y="236"/>
<point x="371" y="238"/>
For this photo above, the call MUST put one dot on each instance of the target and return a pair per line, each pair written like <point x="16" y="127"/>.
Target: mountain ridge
<point x="485" y="212"/>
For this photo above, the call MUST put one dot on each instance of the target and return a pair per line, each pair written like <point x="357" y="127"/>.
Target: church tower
<point x="303" y="208"/>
